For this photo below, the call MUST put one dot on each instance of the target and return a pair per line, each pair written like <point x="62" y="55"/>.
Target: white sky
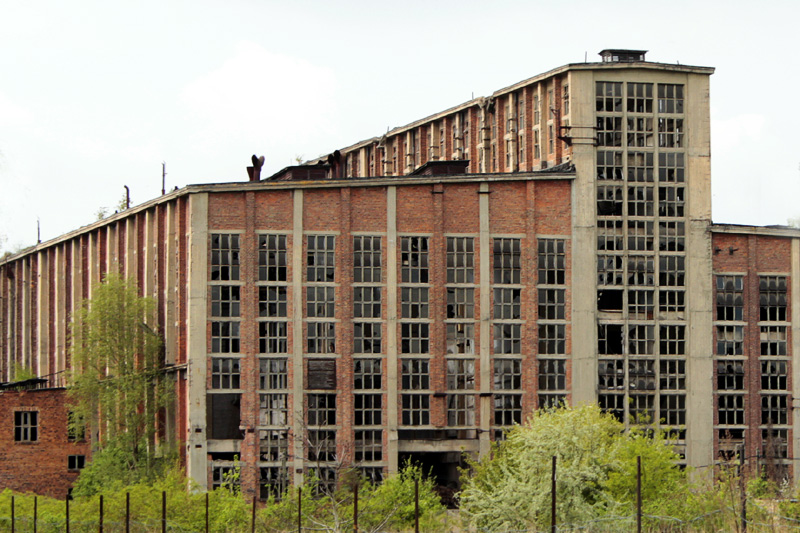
<point x="94" y="95"/>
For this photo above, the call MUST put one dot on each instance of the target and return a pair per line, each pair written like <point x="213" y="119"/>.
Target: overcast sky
<point x="94" y="95"/>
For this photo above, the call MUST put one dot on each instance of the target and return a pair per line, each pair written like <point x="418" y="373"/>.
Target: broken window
<point x="272" y="481"/>
<point x="367" y="374"/>
<point x="773" y="375"/>
<point x="225" y="373"/>
<point x="461" y="338"/>
<point x="613" y="404"/>
<point x="670" y="132"/>
<point x="670" y="201"/>
<point x="672" y="409"/>
<point x="670" y="98"/>
<point x="640" y="235"/>
<point x="321" y="337"/>
<point x="536" y="107"/>
<point x="272" y="253"/>
<point x="773" y="340"/>
<point x="552" y="374"/>
<point x="671" y="302"/>
<point x="611" y="374"/>
<point x="273" y="409"/>
<point x="610" y="234"/>
<point x="76" y="462"/>
<point x="507" y="266"/>
<point x="321" y="445"/>
<point x="609" y="339"/>
<point x="273" y="445"/>
<point x="731" y="409"/>
<point x="507" y="374"/>
<point x="671" y="236"/>
<point x="506" y="304"/>
<point x="641" y="270"/>
<point x="460" y="260"/>
<point x="609" y="165"/>
<point x="415" y="409"/>
<point x="641" y="408"/>
<point x="272" y="337"/>
<point x="223" y="476"/>
<point x="565" y="106"/>
<point x="774" y="443"/>
<point x="507" y="409"/>
<point x="272" y="301"/>
<point x="321" y="409"/>
<point x="320" y="258"/>
<point x="772" y="298"/>
<point x="671" y="167"/>
<point x="641" y="339"/>
<point x="537" y="151"/>
<point x="415" y="338"/>
<point x="608" y="96"/>
<point x="460" y="410"/>
<point x="321" y="374"/>
<point x="367" y="302"/>
<point x="367" y="409"/>
<point x="552" y="401"/>
<point x="672" y="374"/>
<point x="320" y="302"/>
<point x="26" y="426"/>
<point x="609" y="131"/>
<point x="414" y="257"/>
<point x="366" y="259"/>
<point x="610" y="270"/>
<point x="552" y="261"/>
<point x="415" y="374"/>
<point x="460" y="374"/>
<point x="461" y="302"/>
<point x="225" y="300"/>
<point x="76" y="427"/>
<point x="641" y="374"/>
<point x="730" y="340"/>
<point x="552" y="339"/>
<point x="671" y="270"/>
<point x="640" y="97"/>
<point x="225" y="337"/>
<point x="774" y="409"/>
<point x="609" y="200"/>
<point x="730" y="374"/>
<point x="224" y="257"/>
<point x="640" y="304"/>
<point x="672" y="340"/>
<point x="730" y="297"/>
<point x="414" y="302"/>
<point x="368" y="445"/>
<point x="552" y="304"/>
<point x="507" y="338"/>
<point x="223" y="416"/>
<point x="640" y="201"/>
<point x="640" y="132"/>
<point x="366" y="337"/>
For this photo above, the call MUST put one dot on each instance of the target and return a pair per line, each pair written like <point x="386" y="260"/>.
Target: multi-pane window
<point x="321" y="409"/>
<point x="225" y="300"/>
<point x="641" y="270"/>
<point x="537" y="110"/>
<point x="672" y="374"/>
<point x="26" y="426"/>
<point x="507" y="304"/>
<point x="730" y="298"/>
<point x="730" y="409"/>
<point x="610" y="235"/>
<point x="552" y="304"/>
<point x="320" y="258"/>
<point x="414" y="257"/>
<point x="773" y="340"/>
<point x="272" y="374"/>
<point x="507" y="266"/>
<point x="272" y="258"/>
<point x="730" y="374"/>
<point x="368" y="445"/>
<point x="671" y="270"/>
<point x="671" y="167"/>
<point x="273" y="409"/>
<point x="608" y="96"/>
<point x="640" y="131"/>
<point x="640" y="235"/>
<point x="461" y="338"/>
<point x="320" y="302"/>
<point x="610" y="270"/>
<point x="641" y="408"/>
<point x="672" y="409"/>
<point x="272" y="481"/>
<point x="225" y="373"/>
<point x="321" y="337"/>
<point x="672" y="339"/>
<point x="609" y="166"/>
<point x="366" y="259"/>
<point x="272" y="337"/>
<point x="671" y="236"/>
<point x="460" y="260"/>
<point x="774" y="443"/>
<point x="414" y="302"/>
<point x="640" y="303"/>
<point x="670" y="201"/>
<point x="273" y="444"/>
<point x="507" y="338"/>
<point x="507" y="374"/>
<point x="609" y="131"/>
<point x="460" y="409"/>
<point x="671" y="301"/>
<point x="772" y="298"/>
<point x="415" y="338"/>
<point x="415" y="374"/>
<point x="773" y="375"/>
<point x="272" y="301"/>
<point x="225" y="337"/>
<point x="367" y="302"/>
<point x="76" y="462"/>
<point x="609" y="199"/>
<point x="670" y="132"/>
<point x="224" y="257"/>
<point x="321" y="445"/>
<point x="552" y="339"/>
<point x="670" y="98"/>
<point x="367" y="409"/>
<point x="367" y="374"/>
<point x="774" y="409"/>
<point x="460" y="302"/>
<point x="552" y="374"/>
<point x="640" y="201"/>
<point x="366" y="337"/>
<point x="507" y="409"/>
<point x="640" y="97"/>
<point x="460" y="374"/>
<point x="415" y="409"/>
<point x="552" y="261"/>
<point x="641" y="340"/>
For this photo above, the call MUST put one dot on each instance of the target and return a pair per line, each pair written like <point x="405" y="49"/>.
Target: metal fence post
<point x="553" y="497"/>
<point x="164" y="511"/>
<point x="253" y="517"/>
<point x="638" y="494"/>
<point x="100" y="526"/>
<point x="127" y="512"/>
<point x="355" y="508"/>
<point x="416" y="505"/>
<point x="299" y="510"/>
<point x="206" y="512"/>
<point x="35" y="512"/>
<point x="67" y="505"/>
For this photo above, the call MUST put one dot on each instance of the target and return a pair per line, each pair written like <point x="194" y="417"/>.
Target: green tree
<point x="117" y="384"/>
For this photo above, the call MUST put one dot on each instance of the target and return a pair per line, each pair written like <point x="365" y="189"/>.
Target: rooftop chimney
<point x="254" y="172"/>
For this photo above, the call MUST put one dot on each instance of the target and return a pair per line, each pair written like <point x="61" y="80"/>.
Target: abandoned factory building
<point x="415" y="294"/>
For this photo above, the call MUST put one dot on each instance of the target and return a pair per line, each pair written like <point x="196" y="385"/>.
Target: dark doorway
<point x="443" y="467"/>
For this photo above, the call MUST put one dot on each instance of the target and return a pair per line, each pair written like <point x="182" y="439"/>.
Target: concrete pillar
<point x="795" y="351"/>
<point x="485" y="324"/>
<point x="392" y="371"/>
<point x="297" y="418"/>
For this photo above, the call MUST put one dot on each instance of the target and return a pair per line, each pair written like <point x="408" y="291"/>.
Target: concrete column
<point x="392" y="377"/>
<point x="171" y="285"/>
<point x="795" y="347"/>
<point x="59" y="314"/>
<point x="297" y="418"/>
<point x="25" y="340"/>
<point x="197" y="346"/>
<point x="485" y="324"/>
<point x="43" y="315"/>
